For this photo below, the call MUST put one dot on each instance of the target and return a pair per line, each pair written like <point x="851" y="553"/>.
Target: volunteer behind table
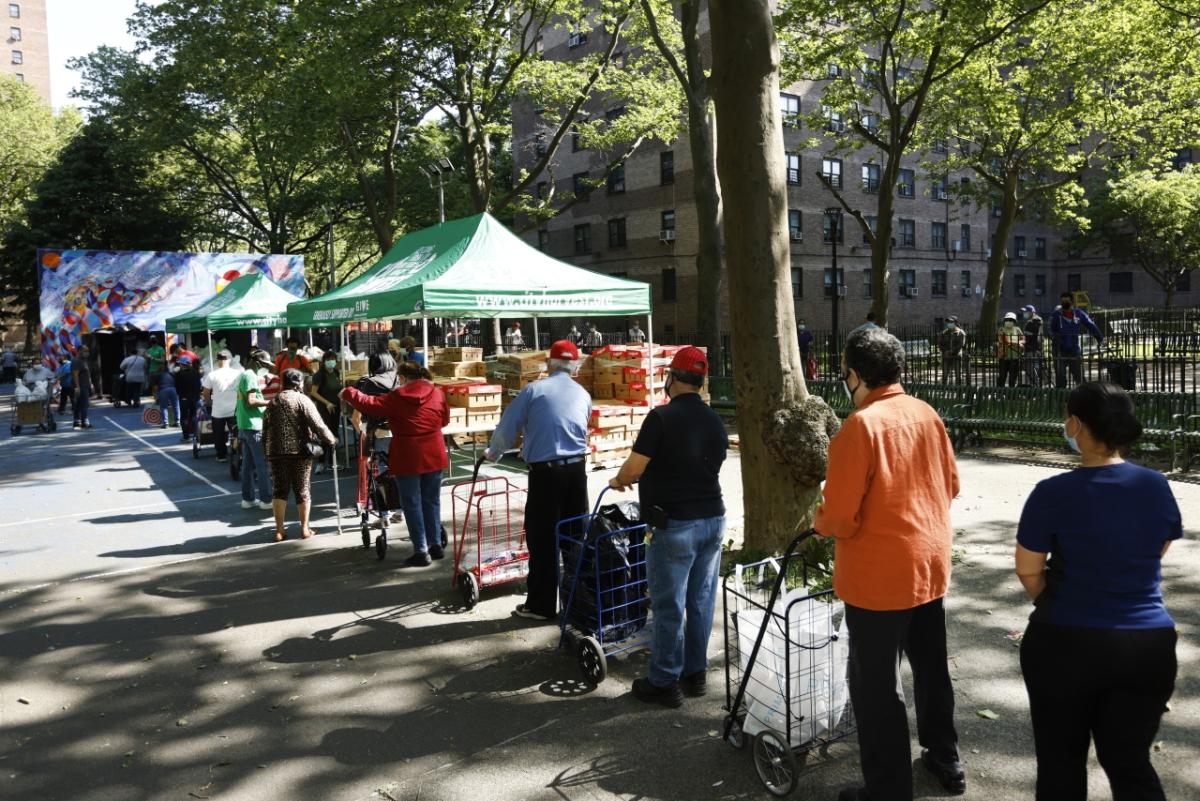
<point x="292" y="359"/>
<point x="554" y="414"/>
<point x="677" y="458"/>
<point x="889" y="485"/>
<point x="326" y="384"/>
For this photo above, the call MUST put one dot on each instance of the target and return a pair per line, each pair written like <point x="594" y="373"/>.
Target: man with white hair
<point x="553" y="413"/>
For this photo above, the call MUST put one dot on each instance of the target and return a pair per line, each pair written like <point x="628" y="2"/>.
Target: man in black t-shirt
<point x="677" y="458"/>
<point x="1033" y="346"/>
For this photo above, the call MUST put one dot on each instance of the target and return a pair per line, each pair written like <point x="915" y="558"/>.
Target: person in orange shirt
<point x="888" y="488"/>
<point x="292" y="359"/>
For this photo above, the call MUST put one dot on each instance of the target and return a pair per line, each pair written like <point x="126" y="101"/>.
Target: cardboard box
<point x="458" y="416"/>
<point x="633" y="375"/>
<point x="610" y="416"/>
<point x="475" y="397"/>
<point x="609" y="375"/>
<point x="462" y="354"/>
<point x="523" y="363"/>
<point x="483" y="417"/>
<point x="458" y="369"/>
<point x="604" y="392"/>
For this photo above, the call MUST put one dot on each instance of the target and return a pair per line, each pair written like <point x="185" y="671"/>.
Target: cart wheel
<point x="366" y="535"/>
<point x="195" y="449"/>
<point x="592" y="662"/>
<point x="468" y="588"/>
<point x="775" y="762"/>
<point x="737" y="737"/>
<point x="445" y="538"/>
<point x="14" y="430"/>
<point x="52" y="426"/>
<point x="41" y="428"/>
<point x="381" y="546"/>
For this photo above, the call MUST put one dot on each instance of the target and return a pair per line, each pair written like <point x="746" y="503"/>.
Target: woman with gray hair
<point x="290" y="423"/>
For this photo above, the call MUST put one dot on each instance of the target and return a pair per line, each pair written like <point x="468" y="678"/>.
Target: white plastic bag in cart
<point x="813" y="655"/>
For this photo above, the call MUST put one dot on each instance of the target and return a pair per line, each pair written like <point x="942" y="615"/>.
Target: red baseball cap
<point x="691" y="360"/>
<point x="564" y="349"/>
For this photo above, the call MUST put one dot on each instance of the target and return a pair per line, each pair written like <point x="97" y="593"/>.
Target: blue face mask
<point x="1071" y="441"/>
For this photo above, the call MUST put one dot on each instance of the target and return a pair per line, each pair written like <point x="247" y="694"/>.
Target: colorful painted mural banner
<point x="84" y="291"/>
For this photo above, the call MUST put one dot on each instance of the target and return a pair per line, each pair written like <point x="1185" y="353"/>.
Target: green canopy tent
<point x="252" y="301"/>
<point x="473" y="267"/>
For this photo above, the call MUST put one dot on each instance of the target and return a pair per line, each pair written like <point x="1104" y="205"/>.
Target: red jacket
<point x="416" y="414"/>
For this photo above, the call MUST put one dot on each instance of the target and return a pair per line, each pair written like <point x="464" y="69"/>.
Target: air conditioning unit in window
<point x="987" y="253"/>
<point x="797" y="236"/>
<point x="956" y="245"/>
<point x="577" y="39"/>
<point x="666" y="235"/>
<point x="910" y="292"/>
<point x="842" y="291"/>
<point x="966" y="291"/>
<point x="1020" y="254"/>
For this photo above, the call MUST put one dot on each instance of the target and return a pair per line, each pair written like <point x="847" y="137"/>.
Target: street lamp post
<point x="834" y="215"/>
<point x="439" y="169"/>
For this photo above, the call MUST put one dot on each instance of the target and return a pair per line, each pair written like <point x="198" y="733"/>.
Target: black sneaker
<point x="436" y="552"/>
<point x="949" y="775"/>
<point x="418" y="559"/>
<point x="670" y="696"/>
<point x="695" y="685"/>
<point x="75" y="424"/>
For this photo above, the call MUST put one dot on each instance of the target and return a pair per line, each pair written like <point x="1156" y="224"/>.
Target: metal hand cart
<point x="202" y="430"/>
<point x="489" y="535"/>
<point x="38" y="412"/>
<point x="785" y="664"/>
<point x="606" y="610"/>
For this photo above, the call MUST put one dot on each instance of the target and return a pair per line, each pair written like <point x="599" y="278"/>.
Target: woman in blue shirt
<point x="1098" y="656"/>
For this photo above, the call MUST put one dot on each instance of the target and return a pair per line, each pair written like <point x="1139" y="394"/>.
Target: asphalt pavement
<point x="154" y="644"/>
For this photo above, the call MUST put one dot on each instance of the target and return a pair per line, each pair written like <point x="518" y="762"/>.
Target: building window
<point x="833" y="71"/>
<point x="997" y="208"/>
<point x="543" y="240"/>
<point x="908" y="283"/>
<point x="1019" y="247"/>
<point x="614" y="114"/>
<point x="1039" y="284"/>
<point x="907" y="185"/>
<point x="870" y="177"/>
<point x="938" y="189"/>
<point x="828" y="280"/>
<point x="938" y="290"/>
<point x="789" y="107"/>
<point x="870" y="122"/>
<point x="1019" y="285"/>
<point x="827" y="224"/>
<point x="866" y="283"/>
<point x="834" y="122"/>
<point x="795" y="225"/>
<point x="14" y="34"/>
<point x="937" y="236"/>
<point x="832" y="170"/>
<point x="575" y="147"/>
<point x="668" y="224"/>
<point x="873" y="224"/>
<point x="18" y="57"/>
<point x="616" y="233"/>
<point x="1039" y="247"/>
<point x="964" y="238"/>
<point x="964" y="279"/>
<point x="1120" y="282"/>
<point x="581" y="184"/>
<point x="908" y="234"/>
<point x="616" y="180"/>
<point x="666" y="167"/>
<point x="1181" y="159"/>
<point x="541" y="190"/>
<point x="793" y="169"/>
<point x="870" y="72"/>
<point x="668" y="284"/>
<point x="797" y="283"/>
<point x="14" y="10"/>
<point x="576" y="39"/>
<point x="1074" y="282"/>
<point x="539" y="45"/>
<point x="583" y="238"/>
<point x="941" y="145"/>
<point x="618" y="60"/>
<point x="20" y="76"/>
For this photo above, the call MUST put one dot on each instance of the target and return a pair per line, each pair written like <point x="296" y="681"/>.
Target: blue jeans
<point x="254" y="461"/>
<point x="82" y="402"/>
<point x="168" y="401"/>
<point x="421" y="499"/>
<point x="682" y="563"/>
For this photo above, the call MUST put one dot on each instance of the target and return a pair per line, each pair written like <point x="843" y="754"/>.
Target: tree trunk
<point x="881" y="251"/>
<point x="710" y="251"/>
<point x="998" y="260"/>
<point x="784" y="432"/>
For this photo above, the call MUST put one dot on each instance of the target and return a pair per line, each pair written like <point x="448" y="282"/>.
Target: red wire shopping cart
<point x="489" y="535"/>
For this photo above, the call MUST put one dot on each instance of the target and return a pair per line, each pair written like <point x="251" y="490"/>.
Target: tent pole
<point x="425" y="338"/>
<point x="537" y="342"/>
<point x="210" y="350"/>
<point x="650" y="352"/>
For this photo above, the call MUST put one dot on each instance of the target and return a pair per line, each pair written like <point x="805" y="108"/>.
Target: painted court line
<point x="178" y="463"/>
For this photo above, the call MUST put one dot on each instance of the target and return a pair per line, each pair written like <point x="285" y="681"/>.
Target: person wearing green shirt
<point x="249" y="413"/>
<point x="156" y="360"/>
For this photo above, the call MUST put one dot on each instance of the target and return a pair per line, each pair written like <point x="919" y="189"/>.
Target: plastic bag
<point x="807" y="659"/>
<point x="610" y="571"/>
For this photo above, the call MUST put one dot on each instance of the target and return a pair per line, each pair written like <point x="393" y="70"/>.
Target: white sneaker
<point x="266" y="505"/>
<point x="248" y="504"/>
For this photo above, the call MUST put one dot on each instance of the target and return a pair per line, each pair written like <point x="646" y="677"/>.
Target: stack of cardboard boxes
<point x="457" y="363"/>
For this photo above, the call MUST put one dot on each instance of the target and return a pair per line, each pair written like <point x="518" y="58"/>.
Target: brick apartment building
<point x="26" y="51"/>
<point x="642" y="225"/>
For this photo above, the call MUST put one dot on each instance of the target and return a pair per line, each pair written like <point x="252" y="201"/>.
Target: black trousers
<point x="877" y="639"/>
<point x="555" y="493"/>
<point x="1107" y="685"/>
<point x="66" y="397"/>
<point x="220" y="426"/>
<point x="187" y="416"/>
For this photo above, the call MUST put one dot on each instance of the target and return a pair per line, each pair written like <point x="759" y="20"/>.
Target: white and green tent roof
<point x="473" y="267"/>
<point x="252" y="301"/>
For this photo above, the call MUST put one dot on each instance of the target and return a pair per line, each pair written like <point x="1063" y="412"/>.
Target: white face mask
<point x="329" y="365"/>
<point x="1071" y="441"/>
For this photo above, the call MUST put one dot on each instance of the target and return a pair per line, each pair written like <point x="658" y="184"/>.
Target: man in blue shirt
<point x="554" y="414"/>
<point x="1066" y="325"/>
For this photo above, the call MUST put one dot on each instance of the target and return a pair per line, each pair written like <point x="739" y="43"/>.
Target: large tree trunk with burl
<point x="784" y="431"/>
<point x="710" y="253"/>
<point x="881" y="249"/>
<point x="1009" y="208"/>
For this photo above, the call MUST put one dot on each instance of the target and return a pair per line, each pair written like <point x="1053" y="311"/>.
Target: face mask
<point x="329" y="365"/>
<point x="1066" y="305"/>
<point x="846" y="386"/>
<point x="1009" y="323"/>
<point x="1071" y="441"/>
<point x="1028" y="316"/>
<point x="803" y="327"/>
<point x="291" y="351"/>
<point x="949" y="326"/>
